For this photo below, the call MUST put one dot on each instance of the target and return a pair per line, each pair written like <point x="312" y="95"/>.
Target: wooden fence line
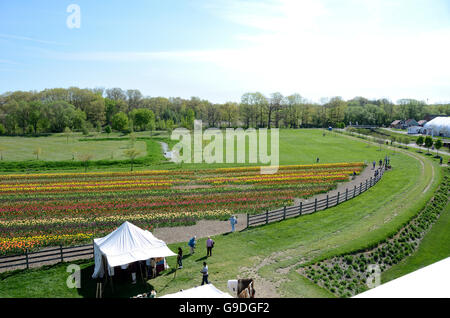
<point x="61" y="253"/>
<point x="55" y="254"/>
<point x="314" y="206"/>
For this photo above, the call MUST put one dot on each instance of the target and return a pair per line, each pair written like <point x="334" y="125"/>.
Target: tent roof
<point x="204" y="291"/>
<point x="431" y="281"/>
<point x="129" y="243"/>
<point x="439" y="122"/>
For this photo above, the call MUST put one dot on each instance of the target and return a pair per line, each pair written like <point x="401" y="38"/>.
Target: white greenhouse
<point x="438" y="127"/>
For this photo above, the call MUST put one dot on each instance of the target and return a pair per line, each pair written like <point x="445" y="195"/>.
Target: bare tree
<point x="132" y="154"/>
<point x="85" y="159"/>
<point x="37" y="152"/>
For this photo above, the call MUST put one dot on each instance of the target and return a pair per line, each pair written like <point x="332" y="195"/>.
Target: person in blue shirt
<point x="192" y="243"/>
<point x="233" y="222"/>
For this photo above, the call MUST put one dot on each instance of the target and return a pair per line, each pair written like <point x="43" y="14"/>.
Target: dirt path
<point x="202" y="228"/>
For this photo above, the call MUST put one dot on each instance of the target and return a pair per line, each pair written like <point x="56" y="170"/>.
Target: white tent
<point x="439" y="126"/>
<point x="432" y="281"/>
<point x="204" y="291"/>
<point x="125" y="245"/>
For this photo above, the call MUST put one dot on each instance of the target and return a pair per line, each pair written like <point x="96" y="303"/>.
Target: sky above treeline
<point x="221" y="49"/>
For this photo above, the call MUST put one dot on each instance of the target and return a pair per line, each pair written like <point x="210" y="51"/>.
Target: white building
<point x="438" y="127"/>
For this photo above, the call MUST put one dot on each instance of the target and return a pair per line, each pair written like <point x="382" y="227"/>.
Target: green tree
<point x="132" y="154"/>
<point x="142" y="117"/>
<point x="419" y="141"/>
<point x="428" y="143"/>
<point x="119" y="121"/>
<point x="438" y="145"/>
<point x="108" y="129"/>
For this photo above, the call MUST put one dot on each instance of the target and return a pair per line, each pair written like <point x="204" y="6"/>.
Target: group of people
<point x="209" y="247"/>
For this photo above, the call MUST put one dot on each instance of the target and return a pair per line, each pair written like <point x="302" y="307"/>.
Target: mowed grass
<point x="58" y="147"/>
<point x="271" y="253"/>
<point x="433" y="248"/>
<point x="300" y="146"/>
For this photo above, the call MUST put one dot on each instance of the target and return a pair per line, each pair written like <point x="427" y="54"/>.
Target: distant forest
<point x="74" y="109"/>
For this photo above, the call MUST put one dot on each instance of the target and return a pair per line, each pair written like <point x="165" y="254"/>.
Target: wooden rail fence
<point x="314" y="206"/>
<point x="46" y="256"/>
<point x="70" y="253"/>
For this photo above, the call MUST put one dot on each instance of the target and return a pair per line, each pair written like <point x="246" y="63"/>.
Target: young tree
<point x="108" y="129"/>
<point x="132" y="154"/>
<point x="419" y="141"/>
<point x="67" y="133"/>
<point x="37" y="152"/>
<point x="405" y="140"/>
<point x="85" y="159"/>
<point x="438" y="145"/>
<point x="1" y="152"/>
<point x="428" y="143"/>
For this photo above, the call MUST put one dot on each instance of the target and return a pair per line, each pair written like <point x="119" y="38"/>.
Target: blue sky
<point x="221" y="49"/>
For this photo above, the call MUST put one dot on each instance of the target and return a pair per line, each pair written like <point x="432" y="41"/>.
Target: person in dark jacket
<point x="180" y="258"/>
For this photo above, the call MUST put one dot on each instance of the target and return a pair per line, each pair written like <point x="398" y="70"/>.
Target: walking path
<point x="205" y="228"/>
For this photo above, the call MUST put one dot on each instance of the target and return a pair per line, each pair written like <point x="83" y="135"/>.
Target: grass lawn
<point x="57" y="148"/>
<point x="433" y="248"/>
<point x="272" y="253"/>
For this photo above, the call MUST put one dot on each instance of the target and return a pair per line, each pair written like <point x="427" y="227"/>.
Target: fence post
<point x="301" y="204"/>
<point x="354" y="191"/>
<point x="366" y="185"/>
<point x="346" y="194"/>
<point x="26" y="258"/>
<point x="284" y="213"/>
<point x="327" y="202"/>
<point x="267" y="217"/>
<point x="61" y="251"/>
<point x="315" y="205"/>
<point x="337" y="201"/>
<point x="247" y="219"/>
<point x="371" y="183"/>
<point x="360" y="188"/>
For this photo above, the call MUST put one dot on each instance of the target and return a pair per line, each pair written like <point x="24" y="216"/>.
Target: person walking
<point x="204" y="271"/>
<point x="192" y="243"/>
<point x="209" y="246"/>
<point x="233" y="222"/>
<point x="317" y="160"/>
<point x="180" y="258"/>
<point x="153" y="267"/>
<point x="374" y="164"/>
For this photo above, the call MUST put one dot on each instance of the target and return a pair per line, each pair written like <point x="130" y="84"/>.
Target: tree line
<point x="74" y="109"/>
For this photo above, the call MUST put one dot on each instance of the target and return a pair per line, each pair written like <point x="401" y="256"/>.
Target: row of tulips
<point x="48" y="209"/>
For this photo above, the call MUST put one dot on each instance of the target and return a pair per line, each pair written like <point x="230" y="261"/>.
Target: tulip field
<point x="47" y="209"/>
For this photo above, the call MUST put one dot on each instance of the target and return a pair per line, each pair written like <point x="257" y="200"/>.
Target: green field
<point x="272" y="253"/>
<point x="58" y="148"/>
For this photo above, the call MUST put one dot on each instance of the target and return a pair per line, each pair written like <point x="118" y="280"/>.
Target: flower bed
<point x="46" y="209"/>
